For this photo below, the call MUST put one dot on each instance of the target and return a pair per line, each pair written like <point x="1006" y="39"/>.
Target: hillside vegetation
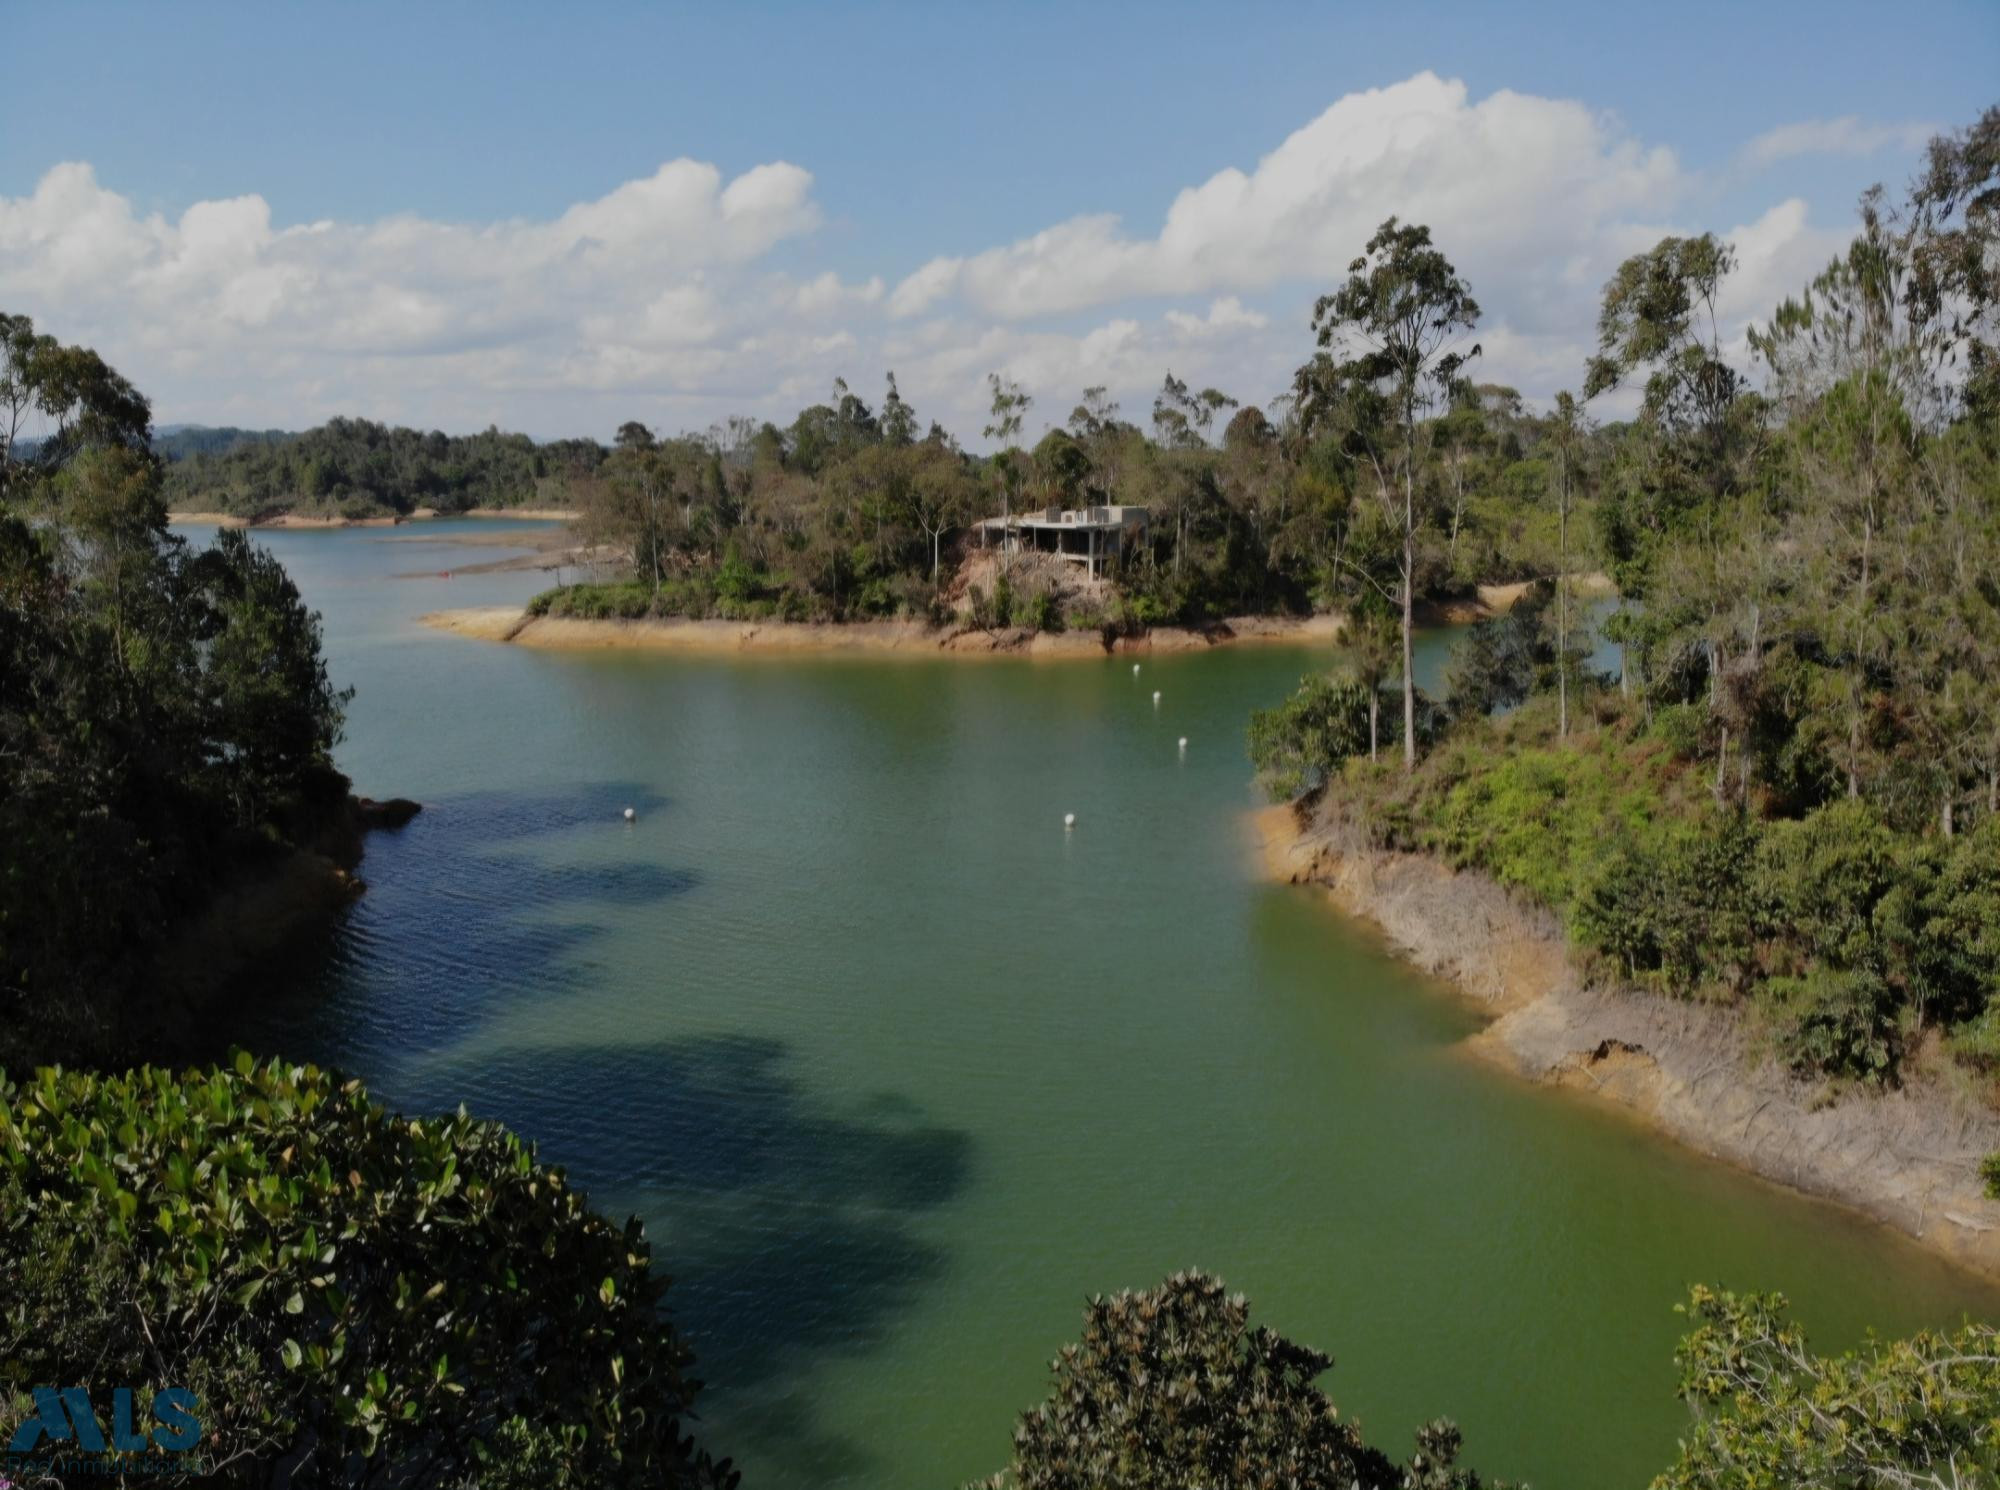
<point x="1788" y="796"/>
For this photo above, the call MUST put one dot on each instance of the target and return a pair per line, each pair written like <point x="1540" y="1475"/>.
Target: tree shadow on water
<point x="474" y="904"/>
<point x="790" y="1227"/>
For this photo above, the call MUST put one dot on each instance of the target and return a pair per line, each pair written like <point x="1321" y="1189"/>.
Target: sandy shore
<point x="420" y="514"/>
<point x="1908" y="1158"/>
<point x="1489" y="601"/>
<point x="858" y="638"/>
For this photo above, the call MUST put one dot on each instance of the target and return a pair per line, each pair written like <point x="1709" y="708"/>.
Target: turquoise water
<point x="898" y="1072"/>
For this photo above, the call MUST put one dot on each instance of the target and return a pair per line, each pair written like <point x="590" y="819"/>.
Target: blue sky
<point x="929" y="134"/>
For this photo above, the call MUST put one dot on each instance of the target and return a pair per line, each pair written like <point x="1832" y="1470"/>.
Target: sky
<point x="558" y="218"/>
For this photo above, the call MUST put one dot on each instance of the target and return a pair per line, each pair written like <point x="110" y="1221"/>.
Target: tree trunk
<point x="1947" y="812"/>
<point x="1721" y="761"/>
<point x="1562" y="607"/>
<point x="1374" y="712"/>
<point x="1409" y="593"/>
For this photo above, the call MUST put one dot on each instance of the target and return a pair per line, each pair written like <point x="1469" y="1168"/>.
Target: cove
<point x="897" y="1071"/>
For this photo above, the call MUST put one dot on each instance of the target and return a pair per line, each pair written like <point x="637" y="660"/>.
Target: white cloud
<point x="1847" y="135"/>
<point x="1499" y="181"/>
<point x="1225" y="317"/>
<point x="662" y="299"/>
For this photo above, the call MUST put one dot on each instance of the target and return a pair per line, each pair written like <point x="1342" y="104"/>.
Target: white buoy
<point x="1135" y="669"/>
<point x="630" y="814"/>
<point x="1156" y="698"/>
<point x="1069" y="819"/>
<point x="1183" y="744"/>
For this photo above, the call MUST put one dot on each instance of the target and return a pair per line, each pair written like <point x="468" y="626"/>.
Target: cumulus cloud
<point x="661" y="299"/>
<point x="1501" y="182"/>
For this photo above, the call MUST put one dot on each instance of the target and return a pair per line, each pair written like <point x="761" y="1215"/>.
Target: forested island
<point x="1783" y="803"/>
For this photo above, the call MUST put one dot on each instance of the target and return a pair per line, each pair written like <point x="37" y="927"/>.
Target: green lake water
<point x="897" y="1072"/>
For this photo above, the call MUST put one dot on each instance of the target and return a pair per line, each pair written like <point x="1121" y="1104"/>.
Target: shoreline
<point x="1907" y="1159"/>
<point x="394" y="520"/>
<point x="512" y="624"/>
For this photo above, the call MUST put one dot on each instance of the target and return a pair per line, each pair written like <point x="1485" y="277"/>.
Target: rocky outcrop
<point x="1909" y="1158"/>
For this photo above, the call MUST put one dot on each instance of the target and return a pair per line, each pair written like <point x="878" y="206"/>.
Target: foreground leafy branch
<point x="356" y="1298"/>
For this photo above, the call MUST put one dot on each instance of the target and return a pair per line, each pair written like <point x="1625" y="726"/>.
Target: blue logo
<point x="65" y="1425"/>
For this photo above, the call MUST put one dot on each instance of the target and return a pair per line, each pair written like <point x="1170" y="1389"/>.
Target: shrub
<point x="1297" y="745"/>
<point x="1172" y="1388"/>
<point x="1921" y="1411"/>
<point x="358" y="1295"/>
<point x="735" y="580"/>
<point x="1665" y="903"/>
<point x="1837" y="1022"/>
<point x="1825" y="878"/>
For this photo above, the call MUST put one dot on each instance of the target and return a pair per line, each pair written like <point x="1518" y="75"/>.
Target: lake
<point x="897" y="1071"/>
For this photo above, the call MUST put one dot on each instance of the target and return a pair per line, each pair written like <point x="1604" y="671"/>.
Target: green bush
<point x="1828" y="883"/>
<point x="387" y="1300"/>
<point x="1838" y="1022"/>
<point x="1172" y="1388"/>
<point x="1768" y="1412"/>
<point x="1297" y="745"/>
<point x="1989" y="1171"/>
<point x="1666" y="903"/>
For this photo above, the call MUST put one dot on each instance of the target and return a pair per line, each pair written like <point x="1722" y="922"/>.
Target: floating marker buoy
<point x="630" y="814"/>
<point x="1069" y="819"/>
<point x="1135" y="669"/>
<point x="1184" y="744"/>
<point x="1156" y="697"/>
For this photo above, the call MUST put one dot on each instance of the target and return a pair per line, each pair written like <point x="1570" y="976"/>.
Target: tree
<point x="166" y="722"/>
<point x="1062" y="466"/>
<point x="899" y="420"/>
<point x="938" y="494"/>
<point x="1172" y="1388"/>
<point x="1659" y="317"/>
<point x="1297" y="746"/>
<point x="1918" y="1412"/>
<point x="79" y="401"/>
<point x="1372" y="659"/>
<point x="1009" y="409"/>
<point x="1094" y="415"/>
<point x="1463" y="433"/>
<point x="1954" y="289"/>
<point x="355" y="1298"/>
<point x="1403" y="315"/>
<point x="1568" y="431"/>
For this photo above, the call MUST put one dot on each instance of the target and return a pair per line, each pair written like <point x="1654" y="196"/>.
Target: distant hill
<point x="356" y="468"/>
<point x="179" y="441"/>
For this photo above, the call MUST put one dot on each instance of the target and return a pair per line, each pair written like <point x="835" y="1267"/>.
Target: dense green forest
<point x="857" y="510"/>
<point x="166" y="723"/>
<point x="354" y="468"/>
<point x="1788" y="796"/>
